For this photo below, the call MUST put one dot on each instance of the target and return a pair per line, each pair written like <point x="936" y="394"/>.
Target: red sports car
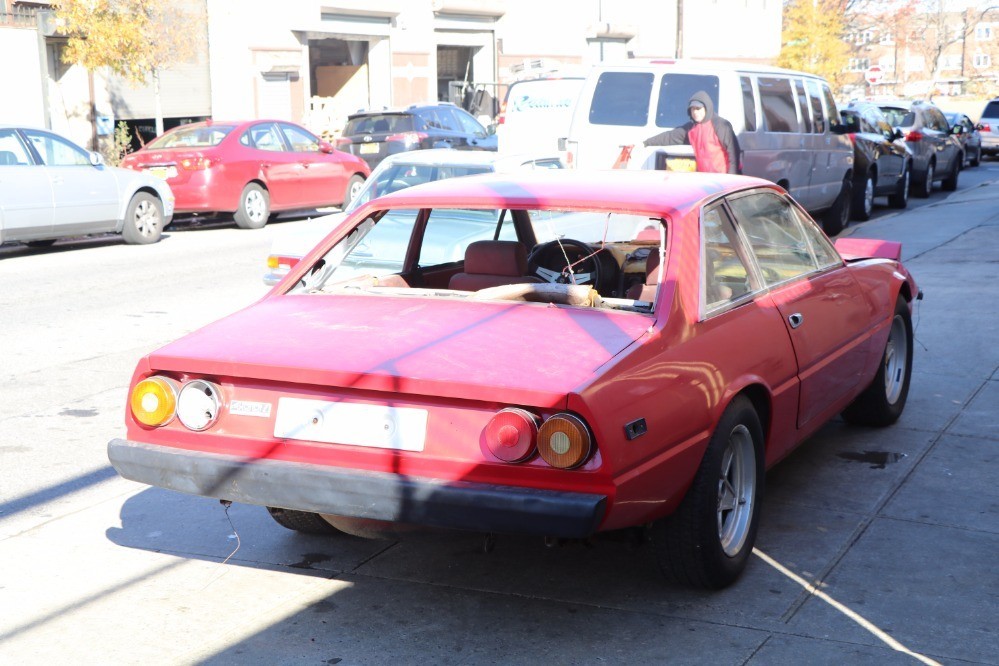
<point x="250" y="169"/>
<point x="608" y="350"/>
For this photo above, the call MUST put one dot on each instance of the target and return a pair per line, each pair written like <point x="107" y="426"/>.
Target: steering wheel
<point x="548" y="262"/>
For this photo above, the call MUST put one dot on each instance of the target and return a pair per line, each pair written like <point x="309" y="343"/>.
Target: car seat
<point x="492" y="264"/>
<point x="8" y="158"/>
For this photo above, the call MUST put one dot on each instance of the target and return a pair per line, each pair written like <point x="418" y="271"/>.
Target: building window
<point x="949" y="62"/>
<point x="859" y="64"/>
<point x="982" y="60"/>
<point x="887" y="64"/>
<point x="983" y="32"/>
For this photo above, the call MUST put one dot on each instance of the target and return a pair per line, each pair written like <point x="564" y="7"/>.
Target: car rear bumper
<point x="990" y="144"/>
<point x="361" y="493"/>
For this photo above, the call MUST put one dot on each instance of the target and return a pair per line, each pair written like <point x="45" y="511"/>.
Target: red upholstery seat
<point x="491" y="264"/>
<point x="647" y="291"/>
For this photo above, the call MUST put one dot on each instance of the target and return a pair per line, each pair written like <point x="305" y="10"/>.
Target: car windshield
<point x="202" y="136"/>
<point x="388" y="178"/>
<point x="462" y="253"/>
<point x="386" y="123"/>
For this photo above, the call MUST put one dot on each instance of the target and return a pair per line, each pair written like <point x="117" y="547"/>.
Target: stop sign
<point x="873" y="74"/>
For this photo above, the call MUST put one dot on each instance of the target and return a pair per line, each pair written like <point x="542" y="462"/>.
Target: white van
<point x="787" y="124"/>
<point x="536" y="113"/>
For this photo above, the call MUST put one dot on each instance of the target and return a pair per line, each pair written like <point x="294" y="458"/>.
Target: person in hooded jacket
<point x="716" y="148"/>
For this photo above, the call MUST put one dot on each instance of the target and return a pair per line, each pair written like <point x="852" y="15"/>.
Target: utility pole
<point x="679" y="29"/>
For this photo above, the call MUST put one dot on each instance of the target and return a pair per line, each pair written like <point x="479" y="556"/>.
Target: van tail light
<point x="986" y="127"/>
<point x="564" y="441"/>
<point x="914" y="136"/>
<point x="501" y="118"/>
<point x="343" y="141"/>
<point x="408" y="138"/>
<point x="199" y="163"/>
<point x="512" y="434"/>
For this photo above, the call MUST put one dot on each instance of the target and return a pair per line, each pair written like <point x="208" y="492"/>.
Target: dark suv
<point x="882" y="162"/>
<point x="937" y="153"/>
<point x="374" y="135"/>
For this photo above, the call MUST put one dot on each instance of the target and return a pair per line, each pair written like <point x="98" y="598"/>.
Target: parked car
<point x="626" y="350"/>
<point x="535" y="113"/>
<point x="989" y="127"/>
<point x="787" y="122"/>
<point x="394" y="173"/>
<point x="969" y="136"/>
<point x="51" y="188"/>
<point x="936" y="152"/>
<point x="374" y="135"/>
<point x="251" y="169"/>
<point x="882" y="162"/>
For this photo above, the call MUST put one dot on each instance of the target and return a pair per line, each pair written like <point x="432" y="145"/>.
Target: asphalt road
<point x="876" y="546"/>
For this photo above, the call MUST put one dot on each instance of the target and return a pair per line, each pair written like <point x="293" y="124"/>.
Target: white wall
<point x="21" y="77"/>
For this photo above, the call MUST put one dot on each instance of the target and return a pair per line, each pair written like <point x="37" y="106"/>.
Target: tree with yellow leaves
<point x="812" y="39"/>
<point x="135" y="39"/>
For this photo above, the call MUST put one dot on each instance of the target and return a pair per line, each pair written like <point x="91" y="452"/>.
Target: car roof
<point x="654" y="193"/>
<point x="451" y="157"/>
<point x="400" y="110"/>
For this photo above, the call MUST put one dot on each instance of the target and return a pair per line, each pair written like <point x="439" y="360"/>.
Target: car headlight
<point x="154" y="401"/>
<point x="199" y="404"/>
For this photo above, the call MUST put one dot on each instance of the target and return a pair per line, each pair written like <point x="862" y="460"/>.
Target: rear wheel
<point x="143" y="220"/>
<point x="301" y="521"/>
<point x="883" y="400"/>
<point x="863" y="198"/>
<point x="900" y="198"/>
<point x="837" y="217"/>
<point x="950" y="183"/>
<point x="354" y="186"/>
<point x="254" y="207"/>
<point x="707" y="541"/>
<point x="923" y="187"/>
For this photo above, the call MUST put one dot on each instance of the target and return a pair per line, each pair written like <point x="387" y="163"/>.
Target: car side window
<point x="937" y="120"/>
<point x="815" y="100"/>
<point x="725" y="275"/>
<point x="265" y="137"/>
<point x="776" y="233"/>
<point x="779" y="111"/>
<point x="470" y="125"/>
<point x="449" y="232"/>
<point x="56" y="151"/>
<point x="447" y="120"/>
<point x="748" y="103"/>
<point x="300" y="140"/>
<point x="12" y="151"/>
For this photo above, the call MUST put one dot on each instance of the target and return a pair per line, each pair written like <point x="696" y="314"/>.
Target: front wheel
<point x="143" y="220"/>
<point x="863" y="199"/>
<point x="837" y="217"/>
<point x="900" y="198"/>
<point x="707" y="541"/>
<point x="883" y="400"/>
<point x="354" y="186"/>
<point x="950" y="183"/>
<point x="254" y="207"/>
<point x="923" y="187"/>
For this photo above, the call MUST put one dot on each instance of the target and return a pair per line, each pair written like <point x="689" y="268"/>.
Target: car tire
<point x="883" y="400"/>
<point x="837" y="217"/>
<point x="950" y="182"/>
<point x="923" y="187"/>
<point x="301" y="521"/>
<point x="977" y="159"/>
<point x="143" y="220"/>
<point x="707" y="541"/>
<point x="254" y="207"/>
<point x="863" y="198"/>
<point x="900" y="198"/>
<point x="354" y="186"/>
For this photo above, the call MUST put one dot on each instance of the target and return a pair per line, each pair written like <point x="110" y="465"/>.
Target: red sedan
<point x="250" y="169"/>
<point x="606" y="351"/>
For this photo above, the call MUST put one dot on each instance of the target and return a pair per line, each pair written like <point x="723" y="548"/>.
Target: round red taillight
<point x="511" y="434"/>
<point x="564" y="441"/>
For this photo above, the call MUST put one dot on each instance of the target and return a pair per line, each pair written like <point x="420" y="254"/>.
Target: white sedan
<point x="50" y="188"/>
<point x="394" y="173"/>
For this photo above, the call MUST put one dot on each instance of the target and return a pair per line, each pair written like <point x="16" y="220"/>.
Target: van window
<point x="676" y="90"/>
<point x="806" y="118"/>
<point x="748" y="103"/>
<point x="831" y="110"/>
<point x="818" y="120"/>
<point x="622" y="98"/>
<point x="778" y="105"/>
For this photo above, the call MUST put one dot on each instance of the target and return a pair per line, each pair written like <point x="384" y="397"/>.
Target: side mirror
<point x="325" y="147"/>
<point x="96" y="159"/>
<point x="957" y="129"/>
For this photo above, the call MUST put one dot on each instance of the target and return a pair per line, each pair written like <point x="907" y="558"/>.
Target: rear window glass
<point x="991" y="110"/>
<point x="899" y="117"/>
<point x="622" y="98"/>
<point x="380" y="124"/>
<point x="675" y="91"/>
<point x="192" y="137"/>
<point x="779" y="111"/>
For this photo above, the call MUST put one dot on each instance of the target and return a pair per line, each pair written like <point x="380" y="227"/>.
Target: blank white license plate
<point x="369" y="148"/>
<point x="378" y="426"/>
<point x="163" y="172"/>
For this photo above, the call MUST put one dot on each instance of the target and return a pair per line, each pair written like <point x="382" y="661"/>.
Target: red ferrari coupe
<point x="544" y="353"/>
<point x="250" y="169"/>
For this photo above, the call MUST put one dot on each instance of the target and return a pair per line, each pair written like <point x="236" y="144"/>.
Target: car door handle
<point x="795" y="320"/>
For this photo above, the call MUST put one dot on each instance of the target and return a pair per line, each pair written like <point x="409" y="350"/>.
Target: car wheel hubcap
<point x="869" y="196"/>
<point x="896" y="357"/>
<point x="254" y="205"/>
<point x="355" y="189"/>
<point x="736" y="490"/>
<point x="147" y="219"/>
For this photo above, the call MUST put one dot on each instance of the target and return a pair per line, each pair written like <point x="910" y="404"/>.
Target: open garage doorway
<point x="454" y="65"/>
<point x="339" y="79"/>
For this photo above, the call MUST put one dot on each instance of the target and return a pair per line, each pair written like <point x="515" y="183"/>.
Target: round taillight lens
<point x="154" y="401"/>
<point x="564" y="441"/>
<point x="199" y="404"/>
<point x="511" y="434"/>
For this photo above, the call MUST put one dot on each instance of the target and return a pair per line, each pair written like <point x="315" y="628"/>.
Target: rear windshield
<point x="899" y="117"/>
<point x="674" y="93"/>
<point x="622" y="98"/>
<point x="991" y="110"/>
<point x="380" y="124"/>
<point x="192" y="137"/>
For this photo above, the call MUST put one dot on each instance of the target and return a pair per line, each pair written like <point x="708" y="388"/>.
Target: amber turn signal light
<point x="564" y="441"/>
<point x="154" y="401"/>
